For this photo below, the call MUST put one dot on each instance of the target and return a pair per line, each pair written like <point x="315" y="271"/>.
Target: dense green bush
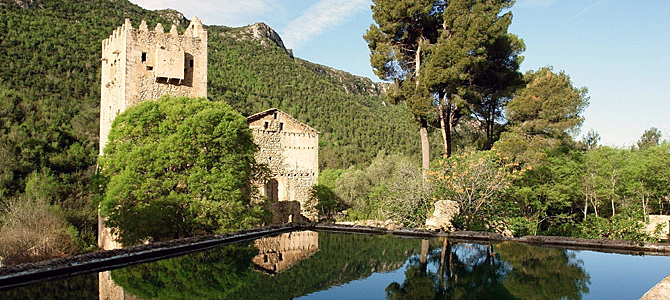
<point x="179" y="167"/>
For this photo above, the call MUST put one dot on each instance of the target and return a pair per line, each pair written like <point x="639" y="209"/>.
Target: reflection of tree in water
<point x="79" y="287"/>
<point x="226" y="273"/>
<point x="543" y="273"/>
<point x="505" y="271"/>
<point x="212" y="274"/>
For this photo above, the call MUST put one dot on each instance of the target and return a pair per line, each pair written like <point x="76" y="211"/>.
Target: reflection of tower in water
<point x="275" y="254"/>
<point x="279" y="253"/>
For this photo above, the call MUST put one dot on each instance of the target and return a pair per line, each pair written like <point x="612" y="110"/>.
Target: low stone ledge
<point x="475" y="236"/>
<point x="660" y="291"/>
<point x="597" y="244"/>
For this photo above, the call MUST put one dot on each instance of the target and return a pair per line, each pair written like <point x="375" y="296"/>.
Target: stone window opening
<point x="281" y="126"/>
<point x="275" y="116"/>
<point x="266" y="125"/>
<point x="144" y="57"/>
<point x="190" y="63"/>
<point x="150" y="68"/>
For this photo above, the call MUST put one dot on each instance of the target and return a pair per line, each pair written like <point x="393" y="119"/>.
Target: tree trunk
<point x="417" y="61"/>
<point x="425" y="248"/>
<point x="443" y="128"/>
<point x="446" y="120"/>
<point x="425" y="147"/>
<point x="490" y="124"/>
<point x="613" y="193"/>
<point x="586" y="204"/>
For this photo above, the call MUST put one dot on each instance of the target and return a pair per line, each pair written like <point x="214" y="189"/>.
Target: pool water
<point x="318" y="265"/>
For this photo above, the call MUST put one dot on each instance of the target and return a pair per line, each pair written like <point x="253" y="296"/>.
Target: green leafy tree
<point x="473" y="43"/>
<point x="544" y="195"/>
<point x="603" y="175"/>
<point x="328" y="203"/>
<point x="542" y="115"/>
<point x="494" y="86"/>
<point x="591" y="140"/>
<point x="651" y="137"/>
<point x="179" y="167"/>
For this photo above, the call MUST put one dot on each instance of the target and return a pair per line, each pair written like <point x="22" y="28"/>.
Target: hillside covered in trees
<point x="50" y="95"/>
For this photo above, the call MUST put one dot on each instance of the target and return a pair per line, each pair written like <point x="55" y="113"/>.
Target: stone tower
<point x="139" y="64"/>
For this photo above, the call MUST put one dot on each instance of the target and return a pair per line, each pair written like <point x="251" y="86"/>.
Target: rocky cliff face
<point x="20" y="3"/>
<point x="351" y="84"/>
<point x="262" y="33"/>
<point x="173" y="16"/>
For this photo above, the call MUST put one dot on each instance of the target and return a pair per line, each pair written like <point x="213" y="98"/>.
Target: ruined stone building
<point x="142" y="64"/>
<point x="290" y="149"/>
<point x="139" y="64"/>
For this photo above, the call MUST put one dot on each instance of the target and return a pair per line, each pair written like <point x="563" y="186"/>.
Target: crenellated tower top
<point x="194" y="30"/>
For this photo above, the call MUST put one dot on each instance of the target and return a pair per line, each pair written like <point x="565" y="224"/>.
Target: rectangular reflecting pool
<point x="321" y="265"/>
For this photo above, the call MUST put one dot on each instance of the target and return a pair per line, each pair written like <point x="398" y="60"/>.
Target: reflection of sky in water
<point x="371" y="288"/>
<point x="612" y="276"/>
<point x="616" y="276"/>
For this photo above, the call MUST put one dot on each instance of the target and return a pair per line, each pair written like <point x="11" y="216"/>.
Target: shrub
<point x="328" y="203"/>
<point x="474" y="180"/>
<point x="179" y="167"/>
<point x="32" y="230"/>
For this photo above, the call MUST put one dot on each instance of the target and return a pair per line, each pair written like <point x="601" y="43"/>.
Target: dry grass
<point x="32" y="230"/>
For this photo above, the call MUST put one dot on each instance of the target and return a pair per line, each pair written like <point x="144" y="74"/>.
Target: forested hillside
<point x="353" y="119"/>
<point x="50" y="94"/>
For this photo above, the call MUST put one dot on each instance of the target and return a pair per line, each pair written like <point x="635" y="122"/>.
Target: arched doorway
<point x="272" y="190"/>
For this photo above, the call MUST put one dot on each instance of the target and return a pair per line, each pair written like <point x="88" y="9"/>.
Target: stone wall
<point x="290" y="149"/>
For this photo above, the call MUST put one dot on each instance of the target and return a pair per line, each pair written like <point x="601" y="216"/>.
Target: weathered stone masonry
<point x="291" y="151"/>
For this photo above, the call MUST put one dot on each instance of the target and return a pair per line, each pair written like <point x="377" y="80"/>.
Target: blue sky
<point x="619" y="49"/>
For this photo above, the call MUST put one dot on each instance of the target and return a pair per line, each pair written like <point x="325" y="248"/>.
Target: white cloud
<point x="318" y="18"/>
<point x="213" y="12"/>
